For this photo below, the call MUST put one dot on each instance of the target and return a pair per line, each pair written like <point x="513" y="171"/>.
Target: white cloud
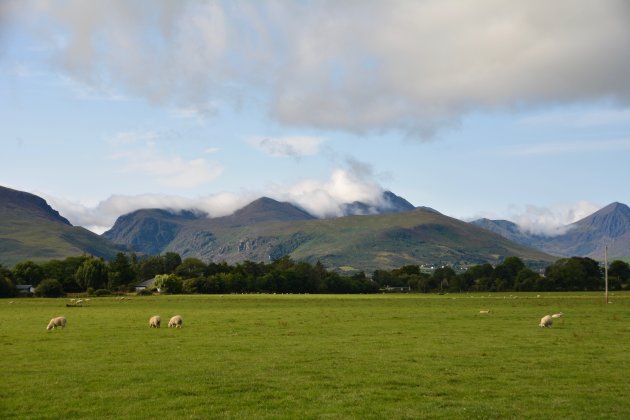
<point x="325" y="198"/>
<point x="287" y="146"/>
<point x="102" y="216"/>
<point x="369" y="65"/>
<point x="354" y="181"/>
<point x="553" y="220"/>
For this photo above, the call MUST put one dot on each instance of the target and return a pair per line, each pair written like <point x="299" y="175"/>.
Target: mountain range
<point x="369" y="236"/>
<point x="267" y="229"/>
<point x="609" y="226"/>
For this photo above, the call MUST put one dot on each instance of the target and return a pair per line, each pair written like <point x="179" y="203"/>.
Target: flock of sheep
<point x="174" y="322"/>
<point x="154" y="322"/>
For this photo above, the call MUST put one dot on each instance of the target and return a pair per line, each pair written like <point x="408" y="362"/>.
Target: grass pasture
<point x="313" y="356"/>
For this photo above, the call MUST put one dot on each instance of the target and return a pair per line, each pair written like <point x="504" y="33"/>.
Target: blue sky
<point x="516" y="110"/>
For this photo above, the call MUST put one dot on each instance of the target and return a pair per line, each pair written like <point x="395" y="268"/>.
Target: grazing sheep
<point x="558" y="315"/>
<point x="154" y="321"/>
<point x="484" y="311"/>
<point x="60" y="321"/>
<point x="546" y="321"/>
<point x="176" y="322"/>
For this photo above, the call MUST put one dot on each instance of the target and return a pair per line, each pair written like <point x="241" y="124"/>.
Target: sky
<point x="506" y="110"/>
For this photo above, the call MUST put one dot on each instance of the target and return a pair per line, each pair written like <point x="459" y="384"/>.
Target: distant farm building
<point x="24" y="289"/>
<point x="147" y="284"/>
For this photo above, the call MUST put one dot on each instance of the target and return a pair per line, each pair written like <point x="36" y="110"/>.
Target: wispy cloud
<point x="556" y="148"/>
<point x="175" y="171"/>
<point x="140" y="155"/>
<point x="288" y="146"/>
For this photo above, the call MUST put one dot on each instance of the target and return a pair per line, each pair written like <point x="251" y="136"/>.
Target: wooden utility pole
<point x="606" y="272"/>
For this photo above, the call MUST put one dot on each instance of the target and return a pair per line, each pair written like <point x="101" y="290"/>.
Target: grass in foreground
<point x="297" y="356"/>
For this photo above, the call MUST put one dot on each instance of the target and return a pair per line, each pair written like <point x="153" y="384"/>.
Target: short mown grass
<point x="312" y="356"/>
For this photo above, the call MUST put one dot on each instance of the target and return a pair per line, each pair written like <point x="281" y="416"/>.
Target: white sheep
<point x="79" y="302"/>
<point x="176" y="322"/>
<point x="546" y="321"/>
<point x="59" y="321"/>
<point x="558" y="315"/>
<point x="484" y="311"/>
<point x="154" y="321"/>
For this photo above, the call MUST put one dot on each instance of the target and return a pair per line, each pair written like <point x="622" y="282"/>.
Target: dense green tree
<point x="150" y="267"/>
<point x="64" y="271"/>
<point x="28" y="272"/>
<point x="190" y="268"/>
<point x="575" y="273"/>
<point x="7" y="288"/>
<point x="92" y="274"/>
<point x="171" y="261"/>
<point x="120" y="272"/>
<point x="442" y="277"/>
<point x="505" y="273"/>
<point x="49" y="288"/>
<point x="526" y="280"/>
<point x="168" y="283"/>
<point x="618" y="274"/>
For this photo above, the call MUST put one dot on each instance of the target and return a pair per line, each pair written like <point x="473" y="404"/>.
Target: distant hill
<point x="32" y="230"/>
<point x="585" y="238"/>
<point x="267" y="229"/>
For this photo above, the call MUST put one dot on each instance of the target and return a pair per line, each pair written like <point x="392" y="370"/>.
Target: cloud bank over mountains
<point x="355" y="181"/>
<point x="340" y="65"/>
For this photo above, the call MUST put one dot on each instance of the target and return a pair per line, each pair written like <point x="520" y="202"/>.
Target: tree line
<point x="173" y="275"/>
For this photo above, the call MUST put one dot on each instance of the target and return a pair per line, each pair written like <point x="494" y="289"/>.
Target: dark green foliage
<point x="618" y="275"/>
<point x="168" y="283"/>
<point x="190" y="268"/>
<point x="285" y="275"/>
<point x="7" y="288"/>
<point x="28" y="272"/>
<point x="120" y="272"/>
<point x="92" y="274"/>
<point x="49" y="288"/>
<point x="575" y="273"/>
<point x="64" y="271"/>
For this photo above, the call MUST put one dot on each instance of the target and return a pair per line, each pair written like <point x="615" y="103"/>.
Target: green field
<point x="312" y="356"/>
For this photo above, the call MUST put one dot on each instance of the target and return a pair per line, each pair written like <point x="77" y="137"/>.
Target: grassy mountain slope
<point x="267" y="229"/>
<point x="31" y="230"/>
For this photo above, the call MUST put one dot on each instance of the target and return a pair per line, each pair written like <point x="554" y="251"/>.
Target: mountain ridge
<point x="587" y="237"/>
<point x="30" y="229"/>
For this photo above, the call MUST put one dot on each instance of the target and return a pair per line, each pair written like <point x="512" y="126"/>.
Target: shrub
<point x="102" y="292"/>
<point x="49" y="288"/>
<point x="144" y="292"/>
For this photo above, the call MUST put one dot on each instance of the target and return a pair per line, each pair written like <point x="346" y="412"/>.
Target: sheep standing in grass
<point x="60" y="321"/>
<point x="546" y="321"/>
<point x="558" y="315"/>
<point x="154" y="321"/>
<point x="176" y="322"/>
